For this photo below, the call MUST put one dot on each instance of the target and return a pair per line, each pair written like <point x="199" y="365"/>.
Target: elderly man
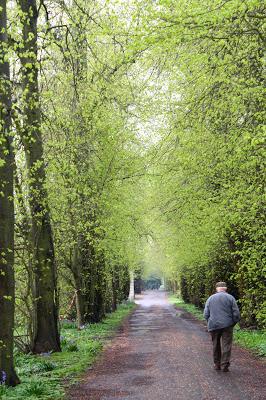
<point x="222" y="313"/>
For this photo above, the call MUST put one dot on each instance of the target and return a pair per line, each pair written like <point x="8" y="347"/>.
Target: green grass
<point x="186" y="306"/>
<point x="254" y="340"/>
<point x="42" y="376"/>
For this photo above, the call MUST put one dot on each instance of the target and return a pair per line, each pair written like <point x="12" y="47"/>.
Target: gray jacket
<point x="221" y="311"/>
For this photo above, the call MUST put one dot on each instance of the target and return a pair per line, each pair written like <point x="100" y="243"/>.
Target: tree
<point x="7" y="284"/>
<point x="210" y="165"/>
<point x="45" y="329"/>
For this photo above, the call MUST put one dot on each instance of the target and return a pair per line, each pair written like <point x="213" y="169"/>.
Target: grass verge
<point x="254" y="340"/>
<point x="42" y="376"/>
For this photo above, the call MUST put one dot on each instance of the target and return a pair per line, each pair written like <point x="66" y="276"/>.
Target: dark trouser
<point x="222" y="344"/>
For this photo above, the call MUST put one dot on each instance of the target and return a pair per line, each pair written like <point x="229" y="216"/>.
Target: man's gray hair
<point x="221" y="284"/>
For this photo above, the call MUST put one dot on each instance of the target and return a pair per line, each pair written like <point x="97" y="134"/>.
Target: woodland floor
<point x="163" y="353"/>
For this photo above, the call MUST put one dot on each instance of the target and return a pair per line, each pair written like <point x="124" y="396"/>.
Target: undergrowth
<point x="42" y="375"/>
<point x="254" y="340"/>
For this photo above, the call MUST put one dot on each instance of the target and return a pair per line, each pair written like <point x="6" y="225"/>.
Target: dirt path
<point x="163" y="354"/>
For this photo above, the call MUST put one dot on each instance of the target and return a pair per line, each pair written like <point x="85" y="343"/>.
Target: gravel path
<point x="165" y="354"/>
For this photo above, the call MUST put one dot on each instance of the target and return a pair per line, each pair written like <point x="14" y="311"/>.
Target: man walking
<point x="222" y="313"/>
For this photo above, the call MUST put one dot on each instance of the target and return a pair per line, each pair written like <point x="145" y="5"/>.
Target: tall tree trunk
<point x="88" y="274"/>
<point x="131" y="295"/>
<point x="46" y="334"/>
<point x="115" y="287"/>
<point x="99" y="296"/>
<point x="76" y="269"/>
<point x="84" y="274"/>
<point x="124" y="283"/>
<point x="7" y="284"/>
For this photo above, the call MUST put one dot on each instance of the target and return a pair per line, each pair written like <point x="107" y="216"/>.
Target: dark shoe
<point x="225" y="369"/>
<point x="217" y="367"/>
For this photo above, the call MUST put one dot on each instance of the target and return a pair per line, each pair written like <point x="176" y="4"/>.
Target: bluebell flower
<point x="46" y="354"/>
<point x="3" y="378"/>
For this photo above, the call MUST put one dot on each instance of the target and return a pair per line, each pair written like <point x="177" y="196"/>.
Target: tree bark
<point x="76" y="268"/>
<point x="115" y="287"/>
<point x="7" y="283"/>
<point x="89" y="283"/>
<point x="46" y="333"/>
<point x="131" y="289"/>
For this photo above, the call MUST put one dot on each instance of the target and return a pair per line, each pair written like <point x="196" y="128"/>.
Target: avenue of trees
<point x="132" y="138"/>
<point x="211" y="186"/>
